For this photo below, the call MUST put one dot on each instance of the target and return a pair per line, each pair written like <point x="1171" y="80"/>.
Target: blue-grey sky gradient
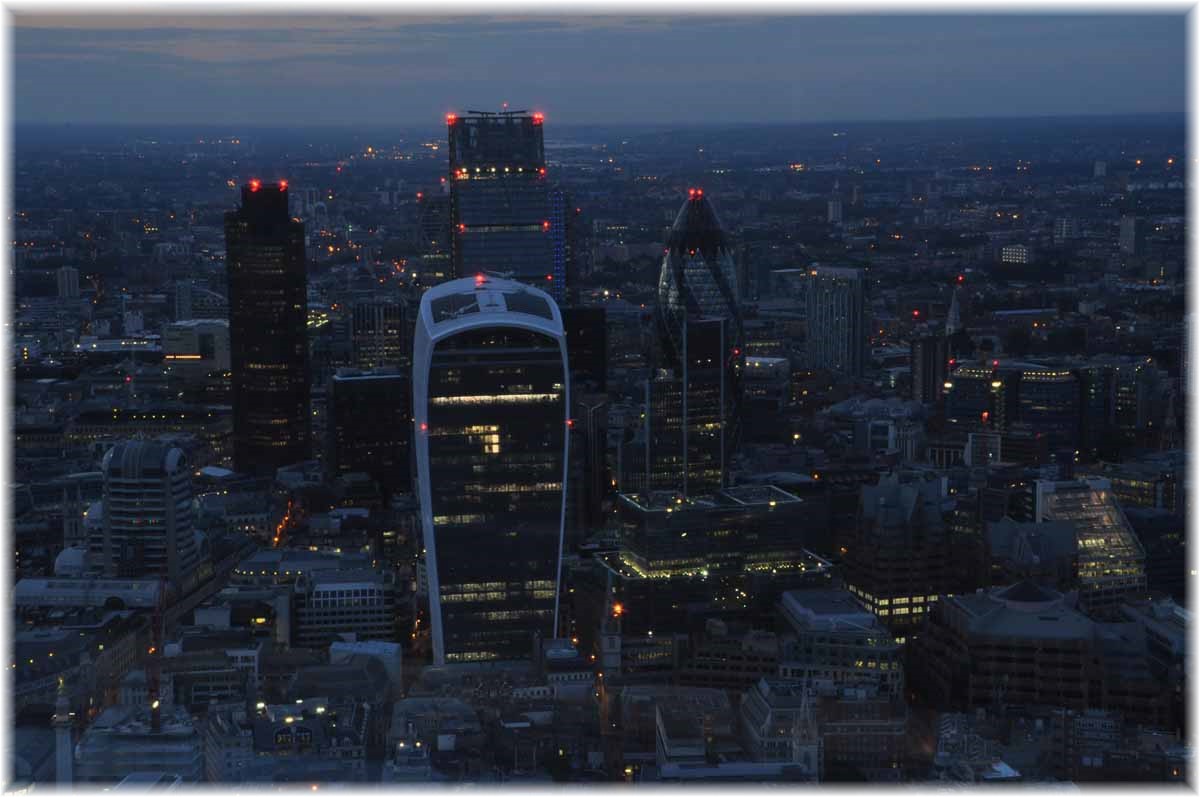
<point x="362" y="70"/>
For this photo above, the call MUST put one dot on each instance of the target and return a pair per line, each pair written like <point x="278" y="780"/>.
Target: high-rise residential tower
<point x="68" y="282"/>
<point x="929" y="364"/>
<point x="268" y="316"/>
<point x="500" y="199"/>
<point x="490" y="408"/>
<point x="700" y="328"/>
<point x="837" y="322"/>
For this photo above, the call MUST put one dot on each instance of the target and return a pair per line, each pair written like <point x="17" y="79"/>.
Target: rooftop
<point x="484" y="294"/>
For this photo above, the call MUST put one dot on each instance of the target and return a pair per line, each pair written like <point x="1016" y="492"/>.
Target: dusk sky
<point x="370" y="71"/>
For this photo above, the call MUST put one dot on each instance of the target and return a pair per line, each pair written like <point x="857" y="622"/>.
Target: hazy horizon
<point x="393" y="71"/>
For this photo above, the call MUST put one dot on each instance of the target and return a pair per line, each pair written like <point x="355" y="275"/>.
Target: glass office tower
<point x="502" y="218"/>
<point x="700" y="329"/>
<point x="268" y="317"/>
<point x="490" y="405"/>
<point x="371" y="427"/>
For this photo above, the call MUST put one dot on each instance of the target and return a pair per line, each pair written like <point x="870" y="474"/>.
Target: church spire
<point x="953" y="316"/>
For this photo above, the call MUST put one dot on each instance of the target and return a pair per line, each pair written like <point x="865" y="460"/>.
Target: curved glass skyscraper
<point x="490" y="403"/>
<point x="698" y="280"/>
<point x="693" y="411"/>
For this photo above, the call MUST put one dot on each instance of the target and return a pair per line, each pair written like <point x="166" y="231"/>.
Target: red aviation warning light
<point x="451" y="118"/>
<point x="691" y="193"/>
<point x="618" y="609"/>
<point x="424" y="427"/>
<point x="462" y="228"/>
<point x="538" y="117"/>
<point x="255" y="185"/>
<point x="549" y="277"/>
<point x="916" y="313"/>
<point x="545" y="226"/>
<point x="283" y="185"/>
<point x="961" y="279"/>
<point x="542" y="171"/>
<point x="570" y="423"/>
<point x="420" y="196"/>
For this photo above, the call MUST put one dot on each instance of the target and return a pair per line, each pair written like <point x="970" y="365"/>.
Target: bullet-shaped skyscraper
<point x="502" y="217"/>
<point x="694" y="428"/>
<point x="268" y="317"/>
<point x="490" y="407"/>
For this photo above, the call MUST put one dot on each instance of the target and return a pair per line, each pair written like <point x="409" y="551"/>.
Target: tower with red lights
<point x="268" y="317"/>
<point x="500" y="199"/>
<point x="694" y="406"/>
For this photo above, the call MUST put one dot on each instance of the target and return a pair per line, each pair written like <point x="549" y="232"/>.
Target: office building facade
<point x="147" y="529"/>
<point x="268" y="319"/>
<point x="377" y="329"/>
<point x="500" y="199"/>
<point x="490" y="405"/>
<point x="837" y="321"/>
<point x="702" y="340"/>
<point x="370" y="422"/>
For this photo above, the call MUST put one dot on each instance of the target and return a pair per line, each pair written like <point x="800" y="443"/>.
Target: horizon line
<point x="732" y="124"/>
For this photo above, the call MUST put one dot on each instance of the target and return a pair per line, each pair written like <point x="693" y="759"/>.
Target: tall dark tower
<point x="700" y="329"/>
<point x="500" y="199"/>
<point x="268" y="316"/>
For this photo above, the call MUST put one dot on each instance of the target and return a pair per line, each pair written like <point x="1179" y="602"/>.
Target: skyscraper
<point x="563" y="244"/>
<point x="377" y="332"/>
<point x="371" y="426"/>
<point x="490" y="406"/>
<point x="147" y="529"/>
<point x="837" y="322"/>
<point x="1133" y="235"/>
<point x="268" y="318"/>
<point x="833" y="210"/>
<point x="68" y="282"/>
<point x="928" y="364"/>
<point x="700" y="328"/>
<point x="500" y="199"/>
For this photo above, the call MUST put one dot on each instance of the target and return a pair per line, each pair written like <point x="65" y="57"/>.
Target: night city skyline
<point x="538" y="400"/>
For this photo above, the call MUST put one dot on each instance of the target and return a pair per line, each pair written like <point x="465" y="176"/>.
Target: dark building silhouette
<point x="930" y="361"/>
<point x="586" y="329"/>
<point x="370" y="424"/>
<point x="268" y="319"/>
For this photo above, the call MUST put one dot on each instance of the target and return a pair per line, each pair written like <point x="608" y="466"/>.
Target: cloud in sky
<point x="354" y="70"/>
